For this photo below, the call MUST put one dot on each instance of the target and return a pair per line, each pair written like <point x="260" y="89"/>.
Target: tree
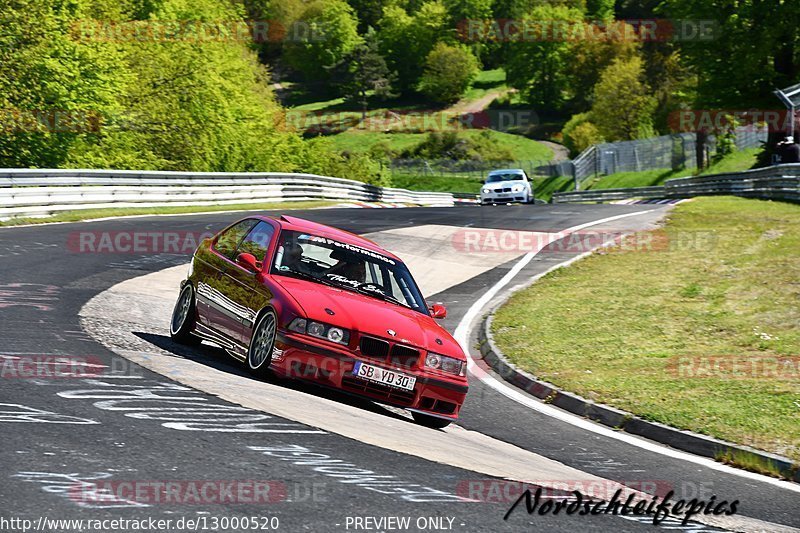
<point x="330" y="33"/>
<point x="449" y="71"/>
<point x="364" y="71"/>
<point x="580" y="133"/>
<point x="369" y="12"/>
<point x="406" y="39"/>
<point x="623" y="106"/>
<point x="537" y="61"/>
<point x="588" y="58"/>
<point x="752" y="47"/>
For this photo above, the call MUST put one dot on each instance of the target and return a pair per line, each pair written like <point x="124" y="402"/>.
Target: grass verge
<point x="87" y="214"/>
<point x="700" y="331"/>
<point x="735" y="162"/>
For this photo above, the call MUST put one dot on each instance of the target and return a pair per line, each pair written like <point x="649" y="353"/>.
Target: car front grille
<point x="391" y="353"/>
<point x="374" y="347"/>
<point x="404" y="356"/>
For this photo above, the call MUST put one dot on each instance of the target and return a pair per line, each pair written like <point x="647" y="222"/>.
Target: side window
<point x="228" y="241"/>
<point x="257" y="241"/>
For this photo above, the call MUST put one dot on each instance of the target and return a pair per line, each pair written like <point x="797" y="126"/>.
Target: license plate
<point x="384" y="376"/>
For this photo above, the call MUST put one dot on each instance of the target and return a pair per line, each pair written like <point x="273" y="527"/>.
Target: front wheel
<point x="183" y="318"/>
<point x="430" y="421"/>
<point x="259" y="353"/>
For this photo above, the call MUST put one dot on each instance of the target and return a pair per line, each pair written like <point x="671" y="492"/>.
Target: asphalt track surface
<point x="57" y="442"/>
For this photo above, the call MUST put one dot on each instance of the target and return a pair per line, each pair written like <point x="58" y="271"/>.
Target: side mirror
<point x="438" y="311"/>
<point x="249" y="262"/>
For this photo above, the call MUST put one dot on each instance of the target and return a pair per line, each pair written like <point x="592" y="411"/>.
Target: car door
<point x="223" y="316"/>
<point x="244" y="286"/>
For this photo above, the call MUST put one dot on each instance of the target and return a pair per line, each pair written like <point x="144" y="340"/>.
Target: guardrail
<point x="780" y="182"/>
<point x="35" y="192"/>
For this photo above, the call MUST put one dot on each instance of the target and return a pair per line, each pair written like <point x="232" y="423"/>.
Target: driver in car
<point x="348" y="266"/>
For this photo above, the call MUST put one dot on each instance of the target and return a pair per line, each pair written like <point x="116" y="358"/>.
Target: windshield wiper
<point x="306" y="275"/>
<point x="381" y="295"/>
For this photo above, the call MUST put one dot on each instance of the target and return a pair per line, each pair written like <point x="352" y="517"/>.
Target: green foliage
<point x="364" y="72"/>
<point x="750" y="48"/>
<point x="537" y="67"/>
<point x="449" y="71"/>
<point x="726" y="140"/>
<point x="161" y="104"/>
<point x="623" y="106"/>
<point x="588" y="58"/>
<point x="600" y="9"/>
<point x="406" y="39"/>
<point x="331" y="35"/>
<point x="450" y="145"/>
<point x="580" y="133"/>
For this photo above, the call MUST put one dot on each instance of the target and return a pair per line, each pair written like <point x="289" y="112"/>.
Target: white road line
<point x="462" y="336"/>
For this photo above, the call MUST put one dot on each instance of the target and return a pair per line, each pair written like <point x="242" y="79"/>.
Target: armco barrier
<point x="35" y="192"/>
<point x="780" y="182"/>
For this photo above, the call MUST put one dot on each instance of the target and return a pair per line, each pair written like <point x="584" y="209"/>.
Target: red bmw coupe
<point x="314" y="302"/>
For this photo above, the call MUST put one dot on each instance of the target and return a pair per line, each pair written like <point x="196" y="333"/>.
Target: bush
<point x="580" y="133"/>
<point x="450" y="146"/>
<point x="449" y="71"/>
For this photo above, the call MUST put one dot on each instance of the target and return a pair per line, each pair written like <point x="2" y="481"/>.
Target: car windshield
<point x="331" y="262"/>
<point x="494" y="178"/>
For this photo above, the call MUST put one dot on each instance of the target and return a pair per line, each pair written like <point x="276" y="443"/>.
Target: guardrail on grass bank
<point x="779" y="182"/>
<point x="37" y="192"/>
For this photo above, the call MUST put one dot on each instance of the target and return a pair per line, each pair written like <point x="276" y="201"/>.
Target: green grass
<point x="722" y="283"/>
<point x="522" y="148"/>
<point x="486" y="82"/>
<point x="87" y="214"/>
<point x="447" y="183"/>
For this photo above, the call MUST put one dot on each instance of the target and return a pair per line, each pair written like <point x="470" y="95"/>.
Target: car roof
<point x="507" y="170"/>
<point x="301" y="224"/>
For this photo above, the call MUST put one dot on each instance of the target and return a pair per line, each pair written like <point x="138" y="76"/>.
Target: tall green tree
<point x="751" y="48"/>
<point x="537" y="61"/>
<point x="363" y="72"/>
<point x="407" y="38"/>
<point x="623" y="106"/>
<point x="330" y="32"/>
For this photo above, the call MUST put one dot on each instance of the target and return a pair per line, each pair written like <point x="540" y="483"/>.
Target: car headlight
<point x="517" y="188"/>
<point x="320" y="330"/>
<point x="486" y="191"/>
<point x="451" y="365"/>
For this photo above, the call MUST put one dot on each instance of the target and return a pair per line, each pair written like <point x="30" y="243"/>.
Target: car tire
<point x="259" y="352"/>
<point x="183" y="319"/>
<point x="430" y="421"/>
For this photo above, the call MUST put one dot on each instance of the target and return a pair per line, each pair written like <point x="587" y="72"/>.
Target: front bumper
<point x="296" y="356"/>
<point x="502" y="198"/>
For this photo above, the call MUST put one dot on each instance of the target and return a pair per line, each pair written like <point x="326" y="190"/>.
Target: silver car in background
<point x="506" y="186"/>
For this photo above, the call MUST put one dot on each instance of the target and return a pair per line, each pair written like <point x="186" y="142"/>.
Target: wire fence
<point x="675" y="152"/>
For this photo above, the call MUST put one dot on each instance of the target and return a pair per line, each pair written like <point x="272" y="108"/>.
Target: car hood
<point x="369" y="316"/>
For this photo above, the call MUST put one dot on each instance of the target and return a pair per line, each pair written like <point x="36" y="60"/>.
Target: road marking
<point x="462" y="337"/>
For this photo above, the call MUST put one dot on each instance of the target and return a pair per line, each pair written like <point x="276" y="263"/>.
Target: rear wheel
<point x="430" y="421"/>
<point x="183" y="318"/>
<point x="259" y="353"/>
